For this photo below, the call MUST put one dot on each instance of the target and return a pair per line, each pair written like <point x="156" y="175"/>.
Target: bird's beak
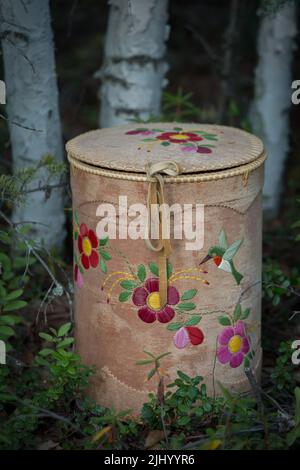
<point x="207" y="258"/>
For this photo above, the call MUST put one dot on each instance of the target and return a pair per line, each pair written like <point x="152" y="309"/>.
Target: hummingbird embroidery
<point x="222" y="255"/>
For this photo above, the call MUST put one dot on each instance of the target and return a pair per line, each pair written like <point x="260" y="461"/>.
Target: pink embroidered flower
<point x="87" y="244"/>
<point x="189" y="149"/>
<point x="140" y="132"/>
<point x="78" y="276"/>
<point x="233" y="345"/>
<point x="147" y="298"/>
<point x="188" y="334"/>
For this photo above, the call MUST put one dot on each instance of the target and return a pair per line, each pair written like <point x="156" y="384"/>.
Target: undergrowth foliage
<point x="43" y="397"/>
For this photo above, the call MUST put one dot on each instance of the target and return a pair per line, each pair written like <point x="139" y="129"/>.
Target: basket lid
<point x="197" y="148"/>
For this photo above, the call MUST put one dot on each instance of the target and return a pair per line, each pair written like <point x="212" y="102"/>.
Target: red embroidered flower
<point x="87" y="244"/>
<point x="179" y="137"/>
<point x="147" y="298"/>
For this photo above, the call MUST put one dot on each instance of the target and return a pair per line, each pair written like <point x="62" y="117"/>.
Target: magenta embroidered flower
<point x="147" y="298"/>
<point x="233" y="345"/>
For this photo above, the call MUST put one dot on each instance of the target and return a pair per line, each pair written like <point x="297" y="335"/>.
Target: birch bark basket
<point x="32" y="103"/>
<point x="134" y="65"/>
<point x="210" y="322"/>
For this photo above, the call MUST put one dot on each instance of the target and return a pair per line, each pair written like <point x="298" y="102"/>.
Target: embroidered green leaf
<point x="76" y="217"/>
<point x="128" y="285"/>
<point x="145" y="362"/>
<point x="105" y="254"/>
<point x="103" y="241"/>
<point x="142" y="129"/>
<point x="194" y="320"/>
<point x="174" y="326"/>
<point x="141" y="272"/>
<point x="177" y="128"/>
<point x="81" y="269"/>
<point x="187" y="306"/>
<point x="165" y="144"/>
<point x="209" y="137"/>
<point x="151" y="373"/>
<point x="76" y="235"/>
<point x="189" y="294"/>
<point x="124" y="296"/>
<point x="237" y="312"/>
<point x="169" y="270"/>
<point x="224" y="321"/>
<point x="149" y="140"/>
<point x="246" y="362"/>
<point x="245" y="314"/>
<point x="157" y="130"/>
<point x="153" y="268"/>
<point x="103" y="266"/>
<point x="223" y="240"/>
<point x="232" y="250"/>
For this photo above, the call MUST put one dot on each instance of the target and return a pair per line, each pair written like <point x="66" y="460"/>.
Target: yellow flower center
<point x="153" y="301"/>
<point x="235" y="344"/>
<point x="179" y="136"/>
<point x="86" y="246"/>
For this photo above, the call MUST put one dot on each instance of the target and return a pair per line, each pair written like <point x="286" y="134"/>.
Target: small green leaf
<point x="183" y="421"/>
<point x="174" y="326"/>
<point x="14" y="305"/>
<point x="76" y="235"/>
<point x="186" y="306"/>
<point x="189" y="294"/>
<point x="149" y="140"/>
<point x="65" y="342"/>
<point x="183" y="376"/>
<point x="105" y="255"/>
<point x="169" y="270"/>
<point x="153" y="268"/>
<point x="45" y="336"/>
<point x="237" y="312"/>
<point x="165" y="144"/>
<point x="194" y="320"/>
<point x="14" y="294"/>
<point x="10" y="319"/>
<point x="64" y="329"/>
<point x="141" y="272"/>
<point x="245" y="314"/>
<point x="223" y="320"/>
<point x="6" y="331"/>
<point x="103" y="241"/>
<point x="144" y="362"/>
<point x="124" y="296"/>
<point x="246" y="362"/>
<point x="76" y="217"/>
<point x="103" y="266"/>
<point x="177" y="128"/>
<point x="151" y="373"/>
<point x="45" y="352"/>
<point x="128" y="285"/>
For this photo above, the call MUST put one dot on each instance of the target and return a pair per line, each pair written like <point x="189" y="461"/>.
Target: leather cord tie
<point x="156" y="212"/>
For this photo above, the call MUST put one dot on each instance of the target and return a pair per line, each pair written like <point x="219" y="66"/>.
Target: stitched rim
<point x="185" y="178"/>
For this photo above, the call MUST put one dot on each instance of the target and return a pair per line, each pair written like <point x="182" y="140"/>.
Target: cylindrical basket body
<point x="210" y="324"/>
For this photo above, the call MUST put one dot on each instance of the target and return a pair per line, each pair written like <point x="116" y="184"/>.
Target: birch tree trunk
<point x="270" y="112"/>
<point x="134" y="61"/>
<point x="32" y="102"/>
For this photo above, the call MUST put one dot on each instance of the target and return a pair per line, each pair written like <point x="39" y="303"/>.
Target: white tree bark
<point x="269" y="116"/>
<point x="32" y="102"/>
<point x="134" y="61"/>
